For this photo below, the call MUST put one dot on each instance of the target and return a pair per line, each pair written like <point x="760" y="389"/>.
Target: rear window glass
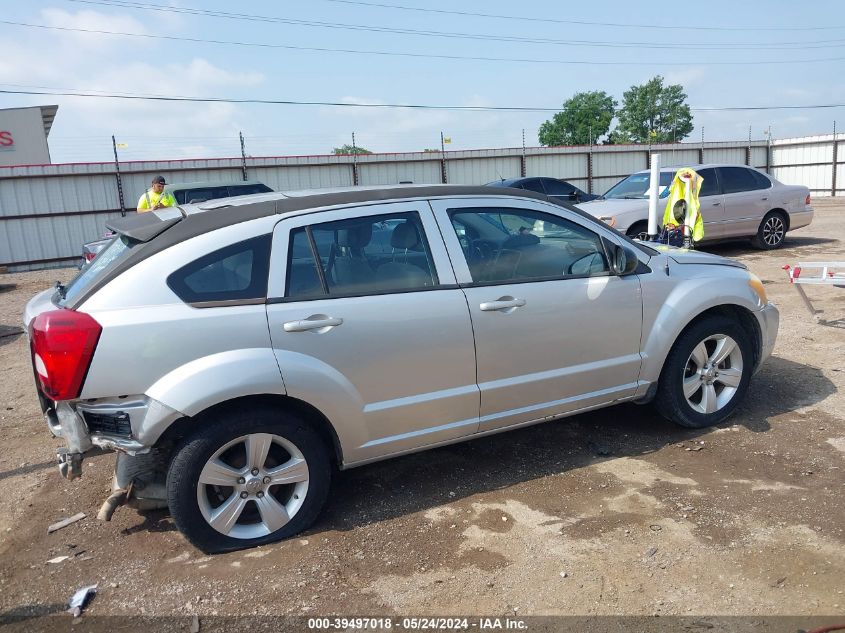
<point x="114" y="252"/>
<point x="235" y="273"/>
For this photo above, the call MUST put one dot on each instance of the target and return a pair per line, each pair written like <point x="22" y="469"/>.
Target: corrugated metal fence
<point x="48" y="211"/>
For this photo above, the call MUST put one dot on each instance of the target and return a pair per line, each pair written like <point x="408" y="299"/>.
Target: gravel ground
<point x="614" y="512"/>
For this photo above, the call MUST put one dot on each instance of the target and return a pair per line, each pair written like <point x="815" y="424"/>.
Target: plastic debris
<point x="80" y="599"/>
<point x="58" y="559"/>
<point x="65" y="522"/>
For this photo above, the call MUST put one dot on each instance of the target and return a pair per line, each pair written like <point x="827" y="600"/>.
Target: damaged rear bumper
<point x="91" y="428"/>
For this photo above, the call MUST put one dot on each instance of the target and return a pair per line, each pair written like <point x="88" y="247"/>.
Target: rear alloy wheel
<point x="706" y="374"/>
<point x="254" y="478"/>
<point x="772" y="231"/>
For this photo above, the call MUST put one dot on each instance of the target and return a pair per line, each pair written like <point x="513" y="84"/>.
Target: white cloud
<point x="90" y="62"/>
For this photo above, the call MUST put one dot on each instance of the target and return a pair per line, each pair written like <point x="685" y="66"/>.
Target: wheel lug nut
<point x="266" y="480"/>
<point x="260" y="495"/>
<point x="244" y="495"/>
<point x="254" y="471"/>
<point x="241" y="480"/>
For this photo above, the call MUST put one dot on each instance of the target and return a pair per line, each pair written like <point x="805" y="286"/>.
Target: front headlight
<point x="757" y="286"/>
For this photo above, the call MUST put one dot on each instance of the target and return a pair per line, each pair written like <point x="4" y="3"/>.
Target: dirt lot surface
<point x="612" y="512"/>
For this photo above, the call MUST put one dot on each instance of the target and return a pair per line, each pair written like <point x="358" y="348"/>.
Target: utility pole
<point x="443" y="175"/>
<point x="523" y="171"/>
<point x="354" y="161"/>
<point x="117" y="176"/>
<point x="835" y="160"/>
<point x="590" y="159"/>
<point x="243" y="155"/>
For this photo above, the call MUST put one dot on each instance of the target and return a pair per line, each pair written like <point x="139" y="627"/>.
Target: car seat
<point x="348" y="265"/>
<point x="402" y="274"/>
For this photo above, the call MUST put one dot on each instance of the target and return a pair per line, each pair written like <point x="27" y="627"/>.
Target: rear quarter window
<point x="235" y="273"/>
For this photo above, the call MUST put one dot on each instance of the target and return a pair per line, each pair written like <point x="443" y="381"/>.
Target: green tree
<point x="584" y="118"/>
<point x="653" y="113"/>
<point x="351" y="149"/>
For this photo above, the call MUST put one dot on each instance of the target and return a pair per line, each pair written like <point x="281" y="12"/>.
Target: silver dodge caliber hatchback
<point x="236" y="352"/>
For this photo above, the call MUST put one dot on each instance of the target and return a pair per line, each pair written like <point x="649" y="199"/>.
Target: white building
<point x="23" y="135"/>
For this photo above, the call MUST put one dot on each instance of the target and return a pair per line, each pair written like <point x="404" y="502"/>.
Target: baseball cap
<point x="159" y="180"/>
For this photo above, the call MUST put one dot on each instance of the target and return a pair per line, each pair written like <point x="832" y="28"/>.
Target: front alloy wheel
<point x="706" y="373"/>
<point x="712" y="374"/>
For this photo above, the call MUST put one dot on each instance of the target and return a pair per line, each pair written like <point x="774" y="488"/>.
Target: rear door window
<point x="737" y="179"/>
<point x="365" y="255"/>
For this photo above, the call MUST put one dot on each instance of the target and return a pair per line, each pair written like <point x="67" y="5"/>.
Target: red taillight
<point x="63" y="343"/>
<point x="807" y="200"/>
<point x="89" y="256"/>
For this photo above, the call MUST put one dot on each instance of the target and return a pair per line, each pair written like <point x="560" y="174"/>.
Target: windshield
<point x="114" y="251"/>
<point x="636" y="186"/>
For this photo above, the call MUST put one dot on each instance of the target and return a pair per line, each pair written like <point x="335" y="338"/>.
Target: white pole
<point x="653" y="191"/>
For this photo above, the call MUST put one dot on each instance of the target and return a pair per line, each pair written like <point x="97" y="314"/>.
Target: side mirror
<point x="624" y="260"/>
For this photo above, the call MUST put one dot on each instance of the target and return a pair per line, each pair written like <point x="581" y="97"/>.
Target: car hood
<point x="604" y="208"/>
<point x="689" y="256"/>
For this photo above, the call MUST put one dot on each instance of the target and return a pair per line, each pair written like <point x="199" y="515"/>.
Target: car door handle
<point x="764" y="198"/>
<point x="314" y="322"/>
<point x="716" y="204"/>
<point x="502" y="304"/>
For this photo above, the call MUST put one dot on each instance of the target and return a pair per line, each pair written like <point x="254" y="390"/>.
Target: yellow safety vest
<point x="150" y="199"/>
<point x="683" y="206"/>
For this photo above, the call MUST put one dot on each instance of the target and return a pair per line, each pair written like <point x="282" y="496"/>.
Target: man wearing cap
<point x="156" y="197"/>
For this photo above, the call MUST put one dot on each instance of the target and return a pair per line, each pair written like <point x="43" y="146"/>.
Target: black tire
<point x="638" y="228"/>
<point x="672" y="403"/>
<point x="216" y="431"/>
<point x="771" y="232"/>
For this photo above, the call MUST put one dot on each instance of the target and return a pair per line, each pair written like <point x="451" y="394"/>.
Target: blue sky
<point x="154" y="130"/>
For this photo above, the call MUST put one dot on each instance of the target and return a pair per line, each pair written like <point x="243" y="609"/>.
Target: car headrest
<point x="357" y="236"/>
<point x="405" y="236"/>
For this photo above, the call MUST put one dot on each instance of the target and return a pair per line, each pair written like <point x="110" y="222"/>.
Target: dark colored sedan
<point x="552" y="187"/>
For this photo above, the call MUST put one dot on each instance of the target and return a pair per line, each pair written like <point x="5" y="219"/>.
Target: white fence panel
<point x="617" y="165"/>
<point x="758" y="157"/>
<point x="387" y="173"/>
<point x="478" y="171"/>
<point x="563" y="165"/>
<point x="802" y="154"/>
<point x="817" y="180"/>
<point x="733" y="155"/>
<point x="678" y="158"/>
<point x="294" y="178"/>
<point x="19" y="196"/>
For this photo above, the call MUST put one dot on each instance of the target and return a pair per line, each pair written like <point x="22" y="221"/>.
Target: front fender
<point x="667" y="313"/>
<point x="205" y="382"/>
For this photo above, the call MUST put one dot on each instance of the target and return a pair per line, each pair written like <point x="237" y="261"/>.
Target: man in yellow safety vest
<point x="155" y="197"/>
